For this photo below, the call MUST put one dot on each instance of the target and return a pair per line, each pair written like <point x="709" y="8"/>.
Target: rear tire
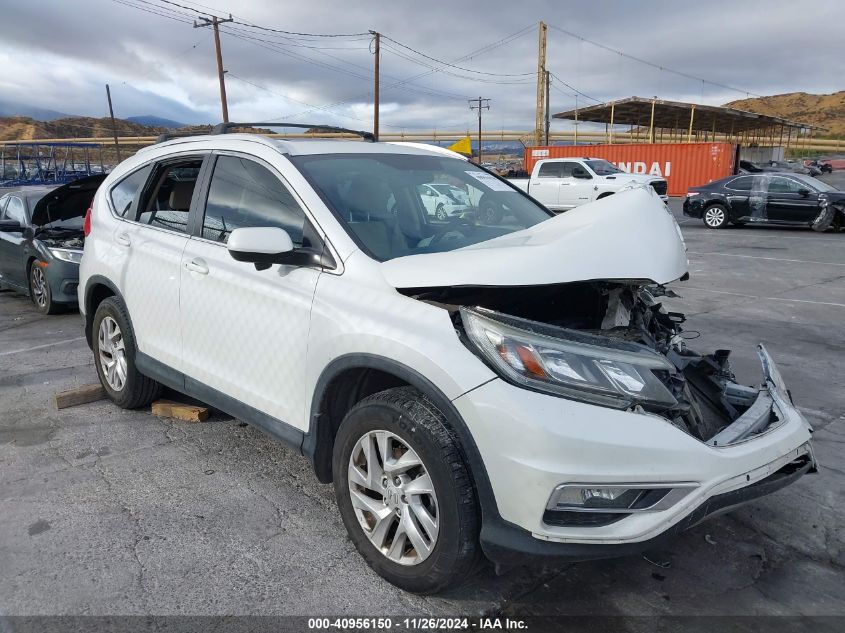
<point x="114" y="357"/>
<point x="440" y="212"/>
<point x="440" y="547"/>
<point x="715" y="216"/>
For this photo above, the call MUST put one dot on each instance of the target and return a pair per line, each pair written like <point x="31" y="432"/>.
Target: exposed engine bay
<point x="707" y="398"/>
<point x="61" y="238"/>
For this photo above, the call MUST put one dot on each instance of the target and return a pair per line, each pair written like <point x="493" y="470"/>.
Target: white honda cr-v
<point x="510" y="387"/>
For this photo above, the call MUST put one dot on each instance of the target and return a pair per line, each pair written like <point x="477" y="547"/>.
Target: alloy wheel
<point x="393" y="497"/>
<point x="39" y="286"/>
<point x="112" y="353"/>
<point x="714" y="217"/>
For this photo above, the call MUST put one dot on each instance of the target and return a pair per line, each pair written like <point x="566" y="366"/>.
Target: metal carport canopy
<point x="678" y="115"/>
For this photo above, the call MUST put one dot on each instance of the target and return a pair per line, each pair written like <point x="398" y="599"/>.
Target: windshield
<point x="603" y="167"/>
<point x="814" y="183"/>
<point x="388" y="204"/>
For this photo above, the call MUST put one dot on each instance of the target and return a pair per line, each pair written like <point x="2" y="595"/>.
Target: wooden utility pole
<point x="377" y="52"/>
<point x="215" y="23"/>
<point x="479" y="104"/>
<point x="548" y="123"/>
<point x="113" y="126"/>
<point x="541" y="84"/>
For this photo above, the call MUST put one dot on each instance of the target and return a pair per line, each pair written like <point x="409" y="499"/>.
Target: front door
<point x="11" y="244"/>
<point x="791" y="201"/>
<point x="573" y="191"/>
<point x="245" y="331"/>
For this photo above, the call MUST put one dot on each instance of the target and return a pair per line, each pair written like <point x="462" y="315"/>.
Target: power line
<point x="652" y="64"/>
<point x="440" y="61"/>
<point x="575" y="90"/>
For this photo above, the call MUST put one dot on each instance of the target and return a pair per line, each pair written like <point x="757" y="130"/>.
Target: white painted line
<point x="32" y="349"/>
<point x="739" y="294"/>
<point x="761" y="235"/>
<point x="771" y="259"/>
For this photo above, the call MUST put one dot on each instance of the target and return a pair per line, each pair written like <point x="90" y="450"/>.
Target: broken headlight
<point x="568" y="363"/>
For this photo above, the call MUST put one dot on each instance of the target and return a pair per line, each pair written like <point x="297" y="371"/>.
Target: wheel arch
<point x="352" y="377"/>
<point x="97" y="289"/>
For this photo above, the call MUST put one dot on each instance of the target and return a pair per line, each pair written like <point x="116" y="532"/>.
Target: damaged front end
<point x="613" y="344"/>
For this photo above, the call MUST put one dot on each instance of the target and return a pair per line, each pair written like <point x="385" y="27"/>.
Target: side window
<point x="244" y="194"/>
<point x="743" y="183"/>
<point x="566" y="169"/>
<point x="167" y="201"/>
<point x="124" y="192"/>
<point x="15" y="210"/>
<point x="549" y="170"/>
<point x="783" y="185"/>
<point x="3" y="201"/>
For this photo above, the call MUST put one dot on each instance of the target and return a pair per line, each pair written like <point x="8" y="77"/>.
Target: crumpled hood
<point x="68" y="201"/>
<point x="630" y="235"/>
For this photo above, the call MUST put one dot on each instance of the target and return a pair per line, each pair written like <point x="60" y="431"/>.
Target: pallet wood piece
<point x="180" y="411"/>
<point x="79" y="395"/>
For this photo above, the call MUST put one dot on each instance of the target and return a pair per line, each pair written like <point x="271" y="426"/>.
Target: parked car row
<point x="470" y="387"/>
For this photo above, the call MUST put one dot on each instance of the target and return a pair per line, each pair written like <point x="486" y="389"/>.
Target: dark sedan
<point x="783" y="198"/>
<point x="41" y="239"/>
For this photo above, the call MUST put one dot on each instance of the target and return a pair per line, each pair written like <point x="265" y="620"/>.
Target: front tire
<point x="404" y="492"/>
<point x="716" y="216"/>
<point x="39" y="290"/>
<point x="440" y="212"/>
<point x="114" y="357"/>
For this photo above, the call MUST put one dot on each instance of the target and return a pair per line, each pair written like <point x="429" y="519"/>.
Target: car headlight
<point x="67" y="254"/>
<point x="575" y="365"/>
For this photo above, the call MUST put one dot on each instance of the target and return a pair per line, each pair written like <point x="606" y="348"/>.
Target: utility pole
<point x="548" y="81"/>
<point x="215" y="22"/>
<point x="377" y="52"/>
<point x="479" y="104"/>
<point x="541" y="85"/>
<point x="113" y="126"/>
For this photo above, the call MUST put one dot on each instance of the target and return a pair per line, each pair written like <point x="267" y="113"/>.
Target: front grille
<point x="660" y="187"/>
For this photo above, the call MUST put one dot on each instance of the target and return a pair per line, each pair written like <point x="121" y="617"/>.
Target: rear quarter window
<point x="124" y="193"/>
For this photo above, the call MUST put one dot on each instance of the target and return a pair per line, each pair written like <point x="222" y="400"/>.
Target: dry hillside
<point x="21" y="128"/>
<point x="828" y="111"/>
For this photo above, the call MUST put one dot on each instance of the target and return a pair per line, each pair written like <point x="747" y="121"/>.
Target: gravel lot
<point x="104" y="511"/>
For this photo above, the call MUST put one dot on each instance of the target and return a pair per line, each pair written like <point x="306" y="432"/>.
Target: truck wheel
<point x="440" y="212"/>
<point x="114" y="358"/>
<point x="716" y="216"/>
<point x="404" y="491"/>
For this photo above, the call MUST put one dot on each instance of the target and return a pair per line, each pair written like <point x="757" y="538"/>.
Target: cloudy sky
<point x="58" y="55"/>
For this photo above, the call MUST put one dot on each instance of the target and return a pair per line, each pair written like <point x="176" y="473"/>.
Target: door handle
<point x="122" y="239"/>
<point x="197" y="265"/>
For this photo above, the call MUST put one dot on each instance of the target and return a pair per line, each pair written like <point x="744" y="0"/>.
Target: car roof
<point x="300" y="147"/>
<point x="30" y="193"/>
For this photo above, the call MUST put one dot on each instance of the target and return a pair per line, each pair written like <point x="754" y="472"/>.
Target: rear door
<point x="153" y="241"/>
<point x="544" y="185"/>
<point x="791" y="201"/>
<point x="244" y="330"/>
<point x="12" y="266"/>
<point x="737" y="193"/>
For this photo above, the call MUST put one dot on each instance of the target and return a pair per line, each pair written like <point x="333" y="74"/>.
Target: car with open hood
<point x="511" y="386"/>
<point x="41" y="240"/>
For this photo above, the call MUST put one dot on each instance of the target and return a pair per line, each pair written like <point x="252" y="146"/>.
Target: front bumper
<point x="531" y="443"/>
<point x="63" y="278"/>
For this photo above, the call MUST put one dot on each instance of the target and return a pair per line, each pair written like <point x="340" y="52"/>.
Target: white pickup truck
<point x="564" y="183"/>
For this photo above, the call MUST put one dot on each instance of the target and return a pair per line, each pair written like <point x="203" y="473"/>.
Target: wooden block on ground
<point x="186" y="412"/>
<point x="80" y="395"/>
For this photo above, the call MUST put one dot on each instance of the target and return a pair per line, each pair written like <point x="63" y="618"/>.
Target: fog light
<point x="619" y="498"/>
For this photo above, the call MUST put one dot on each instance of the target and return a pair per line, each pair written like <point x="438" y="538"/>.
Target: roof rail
<point x="225" y="128"/>
<point x="167" y="136"/>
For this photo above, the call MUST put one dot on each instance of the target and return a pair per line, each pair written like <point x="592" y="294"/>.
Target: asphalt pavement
<point x="105" y="511"/>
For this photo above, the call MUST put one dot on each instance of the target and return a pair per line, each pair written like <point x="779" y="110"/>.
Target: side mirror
<point x="11" y="226"/>
<point x="803" y="192"/>
<point x="266" y="245"/>
<point x="581" y="173"/>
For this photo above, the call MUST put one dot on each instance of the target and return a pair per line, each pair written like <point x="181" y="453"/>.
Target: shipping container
<point x="683" y="165"/>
